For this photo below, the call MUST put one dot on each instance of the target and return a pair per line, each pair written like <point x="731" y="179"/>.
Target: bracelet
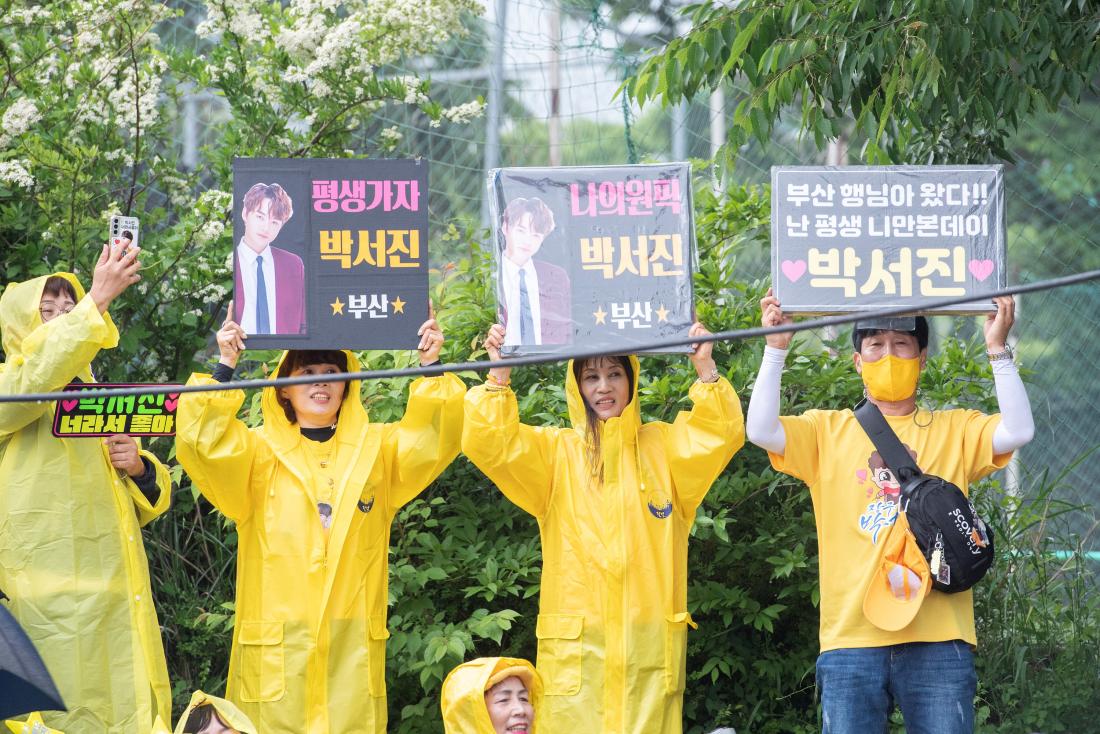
<point x="711" y="378"/>
<point x="1005" y="353"/>
<point x="493" y="382"/>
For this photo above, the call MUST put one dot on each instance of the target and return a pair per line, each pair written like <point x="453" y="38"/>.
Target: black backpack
<point x="956" y="542"/>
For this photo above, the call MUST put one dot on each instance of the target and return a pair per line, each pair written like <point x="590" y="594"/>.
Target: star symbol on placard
<point x="337" y="306"/>
<point x="33" y="725"/>
<point x="398" y="305"/>
<point x="600" y="315"/>
<point x="662" y="314"/>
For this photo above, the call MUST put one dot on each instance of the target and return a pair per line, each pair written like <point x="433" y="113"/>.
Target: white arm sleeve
<point x="762" y="425"/>
<point x="1017" y="427"/>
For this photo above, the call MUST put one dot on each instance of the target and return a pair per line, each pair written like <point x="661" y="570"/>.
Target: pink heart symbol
<point x="862" y="474"/>
<point x="793" y="269"/>
<point x="981" y="269"/>
<point x="68" y="405"/>
<point x="170" y="404"/>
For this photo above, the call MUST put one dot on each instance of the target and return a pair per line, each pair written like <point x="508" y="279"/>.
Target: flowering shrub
<point x="91" y="115"/>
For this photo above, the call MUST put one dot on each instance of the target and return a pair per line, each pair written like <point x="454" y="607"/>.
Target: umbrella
<point x="25" y="684"/>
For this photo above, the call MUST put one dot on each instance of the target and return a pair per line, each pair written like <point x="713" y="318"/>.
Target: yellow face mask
<point x="891" y="378"/>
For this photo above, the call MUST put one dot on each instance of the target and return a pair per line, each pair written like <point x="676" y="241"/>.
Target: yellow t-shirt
<point x="855" y="503"/>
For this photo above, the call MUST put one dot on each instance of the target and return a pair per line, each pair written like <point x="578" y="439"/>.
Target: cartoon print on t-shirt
<point x="885" y="491"/>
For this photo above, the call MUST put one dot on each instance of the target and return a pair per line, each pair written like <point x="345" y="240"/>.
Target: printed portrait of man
<point x="537" y="300"/>
<point x="270" y="281"/>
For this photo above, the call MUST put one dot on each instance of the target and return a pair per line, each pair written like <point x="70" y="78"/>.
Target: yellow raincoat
<point x="227" y="712"/>
<point x="71" y="554"/>
<point x="309" y="645"/>
<point x="613" y="619"/>
<point x="463" y="697"/>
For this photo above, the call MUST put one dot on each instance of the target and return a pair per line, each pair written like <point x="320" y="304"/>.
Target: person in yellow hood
<point x="71" y="510"/>
<point x="313" y="492"/>
<point x="491" y="696"/>
<point x="615" y="500"/>
<point x="207" y="714"/>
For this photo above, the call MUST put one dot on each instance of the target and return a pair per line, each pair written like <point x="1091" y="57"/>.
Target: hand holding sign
<point x="431" y="339"/>
<point x="772" y="315"/>
<point x="124" y="454"/>
<point x="701" y="355"/>
<point x="116" y="270"/>
<point x="997" y="325"/>
<point x="230" y="340"/>
<point x="494" y="340"/>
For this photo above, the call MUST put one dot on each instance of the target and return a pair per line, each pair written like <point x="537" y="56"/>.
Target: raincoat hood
<point x="463" y="697"/>
<point x="284" y="435"/>
<point x="631" y="417"/>
<point x="19" y="315"/>
<point x="227" y="712"/>
<point x="309" y="638"/>
<point x="613" y="621"/>
<point x="71" y="551"/>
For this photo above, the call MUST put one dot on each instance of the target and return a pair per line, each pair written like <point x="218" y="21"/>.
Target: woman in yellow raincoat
<point x="491" y="696"/>
<point x="615" y="500"/>
<point x="71" y="510"/>
<point x="313" y="492"/>
<point x="207" y="714"/>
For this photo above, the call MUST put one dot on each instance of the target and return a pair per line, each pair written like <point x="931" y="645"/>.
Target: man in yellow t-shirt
<point x="927" y="666"/>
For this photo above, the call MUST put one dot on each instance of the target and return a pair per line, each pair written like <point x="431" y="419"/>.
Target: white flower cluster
<point x="403" y="27"/>
<point x="214" y="24"/>
<point x="414" y="93"/>
<point x="462" y="114"/>
<point x="390" y="137"/>
<point x="211" y="293"/>
<point x="15" y="173"/>
<point x="27" y="16"/>
<point x="209" y="232"/>
<point x="215" y="201"/>
<point x="135" y="103"/>
<point x="338" y="44"/>
<point x="17" y="119"/>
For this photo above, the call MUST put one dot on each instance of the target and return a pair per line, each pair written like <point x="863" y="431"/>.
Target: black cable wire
<point x="481" y="366"/>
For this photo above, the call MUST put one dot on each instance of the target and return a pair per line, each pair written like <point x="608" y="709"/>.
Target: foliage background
<point x="94" y="99"/>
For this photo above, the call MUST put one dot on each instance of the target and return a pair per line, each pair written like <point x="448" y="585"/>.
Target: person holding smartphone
<point x="71" y="510"/>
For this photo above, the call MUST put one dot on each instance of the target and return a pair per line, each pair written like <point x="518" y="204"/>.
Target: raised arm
<point x="700" y="442"/>
<point x="215" y="448"/>
<point x="50" y="357"/>
<point x="1017" y="426"/>
<point x="518" y="458"/>
<point x="426" y="440"/>
<point x="52" y="354"/>
<point x="762" y="425"/>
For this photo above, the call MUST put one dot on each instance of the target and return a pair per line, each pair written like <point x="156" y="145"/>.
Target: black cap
<point x="915" y="325"/>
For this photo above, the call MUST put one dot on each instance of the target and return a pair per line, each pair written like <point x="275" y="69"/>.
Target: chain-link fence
<point x="549" y="74"/>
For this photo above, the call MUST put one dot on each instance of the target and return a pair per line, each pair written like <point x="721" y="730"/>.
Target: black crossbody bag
<point x="956" y="542"/>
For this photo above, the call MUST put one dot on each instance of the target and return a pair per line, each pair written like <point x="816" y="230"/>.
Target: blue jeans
<point x="933" y="683"/>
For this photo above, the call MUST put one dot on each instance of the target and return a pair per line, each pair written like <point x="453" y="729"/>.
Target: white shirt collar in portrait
<point x="246" y="257"/>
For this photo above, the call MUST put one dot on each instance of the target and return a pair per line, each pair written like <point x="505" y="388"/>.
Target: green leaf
<point x="744" y="37"/>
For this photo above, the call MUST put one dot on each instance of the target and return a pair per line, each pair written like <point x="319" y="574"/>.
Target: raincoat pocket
<point x="559" y="652"/>
<point x="676" y="650"/>
<point x="376" y="652"/>
<point x="262" y="666"/>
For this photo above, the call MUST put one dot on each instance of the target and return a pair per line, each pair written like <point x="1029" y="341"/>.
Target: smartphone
<point x="124" y="232"/>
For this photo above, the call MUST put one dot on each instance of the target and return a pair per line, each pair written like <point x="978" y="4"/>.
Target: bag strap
<point x="886" y="441"/>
